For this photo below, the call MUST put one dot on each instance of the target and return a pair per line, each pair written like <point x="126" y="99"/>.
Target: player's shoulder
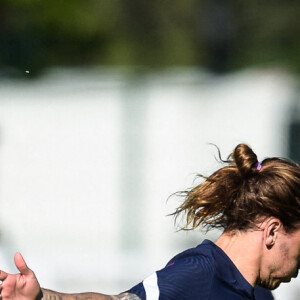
<point x="189" y="275"/>
<point x="202" y="254"/>
<point x="199" y="260"/>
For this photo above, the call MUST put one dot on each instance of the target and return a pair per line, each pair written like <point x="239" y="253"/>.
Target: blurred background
<point x="108" y="107"/>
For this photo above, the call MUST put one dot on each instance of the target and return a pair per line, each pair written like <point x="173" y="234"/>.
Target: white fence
<point x="89" y="158"/>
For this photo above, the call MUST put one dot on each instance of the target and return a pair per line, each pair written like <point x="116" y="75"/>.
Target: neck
<point x="243" y="248"/>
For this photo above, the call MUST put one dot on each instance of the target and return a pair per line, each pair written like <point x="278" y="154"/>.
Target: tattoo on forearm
<point x="128" y="296"/>
<point x="49" y="297"/>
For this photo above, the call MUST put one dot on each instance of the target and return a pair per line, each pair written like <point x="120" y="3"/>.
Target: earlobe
<point x="271" y="229"/>
<point x="269" y="241"/>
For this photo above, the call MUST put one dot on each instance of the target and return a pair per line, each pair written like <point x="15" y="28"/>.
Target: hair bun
<point x="245" y="159"/>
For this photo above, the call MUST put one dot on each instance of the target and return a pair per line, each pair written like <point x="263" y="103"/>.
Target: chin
<point x="271" y="285"/>
<point x="275" y="286"/>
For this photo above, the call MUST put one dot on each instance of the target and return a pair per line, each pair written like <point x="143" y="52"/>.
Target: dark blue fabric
<point x="262" y="294"/>
<point x="202" y="273"/>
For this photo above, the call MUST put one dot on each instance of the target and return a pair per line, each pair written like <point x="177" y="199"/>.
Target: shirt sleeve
<point x="186" y="279"/>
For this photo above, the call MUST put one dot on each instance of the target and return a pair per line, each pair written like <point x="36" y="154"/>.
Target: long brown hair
<point x="244" y="190"/>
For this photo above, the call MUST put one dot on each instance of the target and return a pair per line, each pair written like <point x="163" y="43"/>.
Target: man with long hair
<point x="257" y="204"/>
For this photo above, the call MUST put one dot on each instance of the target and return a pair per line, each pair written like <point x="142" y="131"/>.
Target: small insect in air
<point x="27" y="71"/>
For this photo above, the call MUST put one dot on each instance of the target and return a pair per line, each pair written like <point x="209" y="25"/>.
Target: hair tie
<point x="258" y="166"/>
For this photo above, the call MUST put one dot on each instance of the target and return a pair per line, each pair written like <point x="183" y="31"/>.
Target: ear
<point x="271" y="229"/>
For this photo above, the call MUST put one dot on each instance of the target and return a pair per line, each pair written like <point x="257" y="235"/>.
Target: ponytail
<point x="235" y="196"/>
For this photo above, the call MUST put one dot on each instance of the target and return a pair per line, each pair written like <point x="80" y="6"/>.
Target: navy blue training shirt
<point x="201" y="273"/>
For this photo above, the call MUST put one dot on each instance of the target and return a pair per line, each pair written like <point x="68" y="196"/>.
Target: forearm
<point x="51" y="295"/>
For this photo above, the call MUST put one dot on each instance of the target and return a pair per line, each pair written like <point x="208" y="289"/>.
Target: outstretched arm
<point x="51" y="295"/>
<point x="24" y="286"/>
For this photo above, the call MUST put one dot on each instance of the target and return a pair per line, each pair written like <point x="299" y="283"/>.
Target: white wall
<point x="89" y="158"/>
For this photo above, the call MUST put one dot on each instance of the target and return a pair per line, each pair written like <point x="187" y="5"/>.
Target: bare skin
<point x="51" y="295"/>
<point x="24" y="286"/>
<point x="266" y="255"/>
